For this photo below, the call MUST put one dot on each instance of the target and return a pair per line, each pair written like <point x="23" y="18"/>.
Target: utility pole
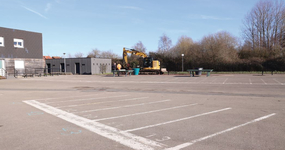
<point x="182" y="62"/>
<point x="64" y="63"/>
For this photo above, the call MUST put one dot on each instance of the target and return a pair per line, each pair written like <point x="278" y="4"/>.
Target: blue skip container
<point x="136" y="71"/>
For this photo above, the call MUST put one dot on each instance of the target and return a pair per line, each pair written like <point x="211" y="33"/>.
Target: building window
<point x="19" y="64"/>
<point x="2" y="41"/>
<point x="18" y="43"/>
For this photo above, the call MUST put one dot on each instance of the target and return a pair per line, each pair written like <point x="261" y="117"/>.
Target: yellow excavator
<point x="149" y="65"/>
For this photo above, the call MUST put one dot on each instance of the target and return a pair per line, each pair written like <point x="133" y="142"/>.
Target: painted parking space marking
<point x="278" y="82"/>
<point x="46" y="99"/>
<point x="213" y="80"/>
<point x="203" y="80"/>
<point x="151" y="135"/>
<point x="218" y="133"/>
<point x="76" y="100"/>
<point x="177" y="120"/>
<point x="225" y="81"/>
<point x="131" y="99"/>
<point x="127" y="139"/>
<point x="173" y="79"/>
<point x="250" y="82"/>
<point x="263" y="81"/>
<point x="142" y="113"/>
<point x="190" y="81"/>
<point x="126" y="106"/>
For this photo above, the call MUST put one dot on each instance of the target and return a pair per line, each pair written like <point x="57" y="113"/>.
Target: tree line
<point x="262" y="47"/>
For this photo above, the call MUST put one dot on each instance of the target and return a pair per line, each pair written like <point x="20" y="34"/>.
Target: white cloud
<point x="214" y="18"/>
<point x="58" y="1"/>
<point x="137" y="21"/>
<point x="175" y="31"/>
<point x="130" y="7"/>
<point x="205" y="17"/>
<point x="35" y="12"/>
<point x="48" y="7"/>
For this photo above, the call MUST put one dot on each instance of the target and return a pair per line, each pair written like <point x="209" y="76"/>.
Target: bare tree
<point x="69" y="55"/>
<point x="94" y="53"/>
<point x="79" y="55"/>
<point x="184" y="45"/>
<point x="264" y="27"/>
<point x="108" y="54"/>
<point x="219" y="47"/>
<point x="164" y="44"/>
<point x="140" y="47"/>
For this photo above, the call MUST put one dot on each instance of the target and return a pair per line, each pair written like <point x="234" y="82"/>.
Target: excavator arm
<point x="131" y="51"/>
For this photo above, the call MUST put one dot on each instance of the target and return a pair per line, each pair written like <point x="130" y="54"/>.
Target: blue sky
<point x="71" y="26"/>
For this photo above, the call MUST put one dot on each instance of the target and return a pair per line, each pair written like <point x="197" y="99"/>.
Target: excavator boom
<point x="149" y="64"/>
<point x="131" y="51"/>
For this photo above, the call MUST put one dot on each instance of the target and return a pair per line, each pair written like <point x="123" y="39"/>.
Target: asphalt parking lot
<point x="219" y="112"/>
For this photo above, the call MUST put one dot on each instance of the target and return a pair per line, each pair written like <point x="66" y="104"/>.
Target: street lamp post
<point x="64" y="63"/>
<point x="182" y="62"/>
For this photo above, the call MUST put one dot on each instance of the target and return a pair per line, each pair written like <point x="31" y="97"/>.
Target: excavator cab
<point x="147" y="62"/>
<point x="151" y="65"/>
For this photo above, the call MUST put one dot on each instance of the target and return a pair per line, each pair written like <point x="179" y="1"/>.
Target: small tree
<point x="108" y="54"/>
<point x="78" y="55"/>
<point x="94" y="53"/>
<point x="139" y="47"/>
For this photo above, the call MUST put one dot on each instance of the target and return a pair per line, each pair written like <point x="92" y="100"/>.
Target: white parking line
<point x="127" y="139"/>
<point x="151" y="135"/>
<point x="141" y="113"/>
<point x="173" y="121"/>
<point x="225" y="81"/>
<point x="173" y="79"/>
<point x="278" y="82"/>
<point x="86" y="99"/>
<point x="250" y="81"/>
<point x="203" y="80"/>
<point x="45" y="99"/>
<point x="263" y="81"/>
<point x="122" y="106"/>
<point x="214" y="80"/>
<point x="218" y="133"/>
<point x="158" y="82"/>
<point x="132" y="99"/>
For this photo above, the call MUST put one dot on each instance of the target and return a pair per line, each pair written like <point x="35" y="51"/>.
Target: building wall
<point x="100" y="66"/>
<point x="2" y="67"/>
<point x="82" y="64"/>
<point x="79" y="65"/>
<point x="32" y="44"/>
<point x="24" y="65"/>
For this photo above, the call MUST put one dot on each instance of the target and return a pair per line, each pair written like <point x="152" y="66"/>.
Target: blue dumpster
<point x="136" y="71"/>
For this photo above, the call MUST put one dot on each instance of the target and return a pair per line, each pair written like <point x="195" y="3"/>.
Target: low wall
<point x="23" y="65"/>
